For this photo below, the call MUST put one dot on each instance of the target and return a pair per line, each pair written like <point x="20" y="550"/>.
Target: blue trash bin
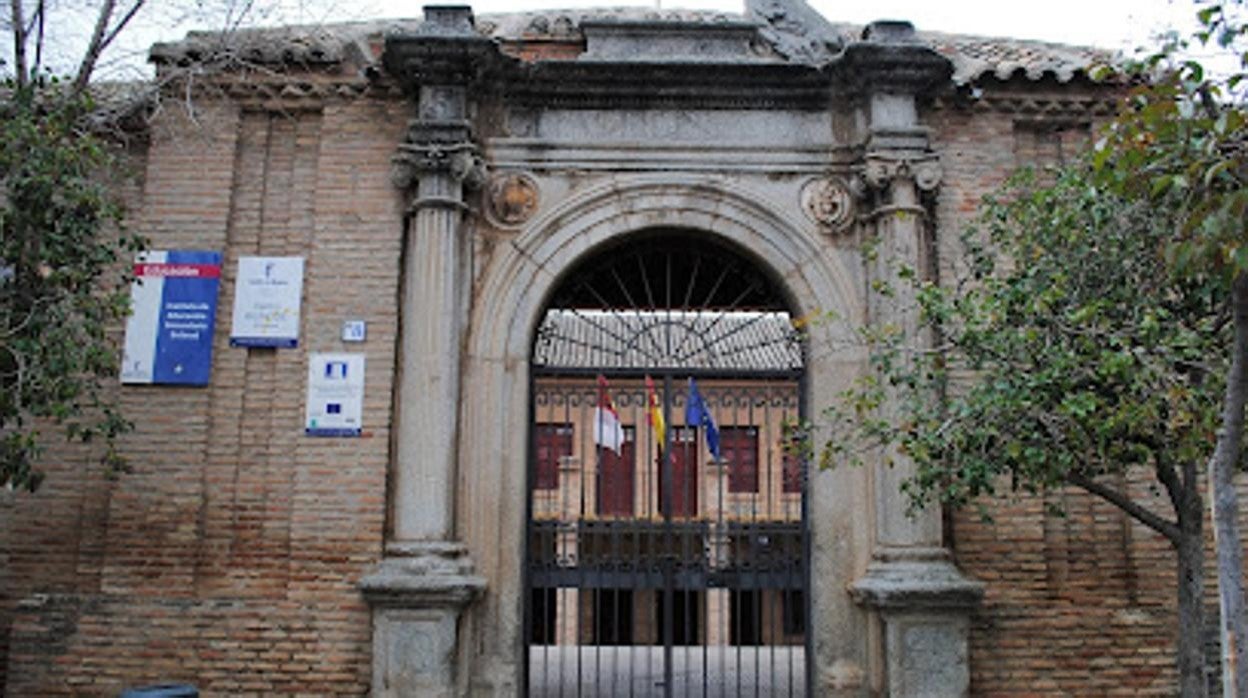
<point x="167" y="690"/>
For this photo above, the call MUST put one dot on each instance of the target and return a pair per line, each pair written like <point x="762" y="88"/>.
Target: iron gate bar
<point x="766" y="563"/>
<point x="669" y="594"/>
<point x="589" y="578"/>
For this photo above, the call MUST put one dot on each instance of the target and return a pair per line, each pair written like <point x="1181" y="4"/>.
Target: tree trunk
<point x="1224" y="504"/>
<point x="1191" y="568"/>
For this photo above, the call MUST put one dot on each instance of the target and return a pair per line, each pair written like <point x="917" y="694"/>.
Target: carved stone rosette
<point x="511" y="198"/>
<point x="830" y="202"/>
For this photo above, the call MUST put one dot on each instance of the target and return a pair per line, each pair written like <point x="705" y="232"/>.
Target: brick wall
<point x="229" y="556"/>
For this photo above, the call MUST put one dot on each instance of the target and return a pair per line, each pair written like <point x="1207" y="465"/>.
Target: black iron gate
<point x="667" y="537"/>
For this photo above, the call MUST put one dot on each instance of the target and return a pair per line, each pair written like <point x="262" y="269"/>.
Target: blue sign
<point x="173" y="316"/>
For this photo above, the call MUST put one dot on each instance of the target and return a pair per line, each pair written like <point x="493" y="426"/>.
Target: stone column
<point x="571" y="506"/>
<point x="715" y="504"/>
<point x="924" y="601"/>
<point x="426" y="578"/>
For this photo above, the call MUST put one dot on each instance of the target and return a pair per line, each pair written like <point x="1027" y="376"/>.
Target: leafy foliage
<point x="1181" y="141"/>
<point x="1070" y="351"/>
<point x="62" y="289"/>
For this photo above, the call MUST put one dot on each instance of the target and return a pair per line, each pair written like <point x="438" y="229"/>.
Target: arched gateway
<point x="527" y="554"/>
<point x="667" y="538"/>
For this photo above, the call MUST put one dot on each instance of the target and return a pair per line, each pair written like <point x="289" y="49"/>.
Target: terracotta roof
<point x="973" y="57"/>
<point x="565" y="24"/>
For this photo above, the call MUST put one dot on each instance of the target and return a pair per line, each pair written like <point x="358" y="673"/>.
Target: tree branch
<point x="19" y="43"/>
<point x="94" y="46"/>
<point x="101" y="37"/>
<point x="40" y="15"/>
<point x="125" y="19"/>
<point x="1166" y="528"/>
<point x="1170" y="479"/>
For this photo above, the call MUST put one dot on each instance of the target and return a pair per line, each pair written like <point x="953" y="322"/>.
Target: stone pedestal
<point x="417" y="594"/>
<point x="925" y="604"/>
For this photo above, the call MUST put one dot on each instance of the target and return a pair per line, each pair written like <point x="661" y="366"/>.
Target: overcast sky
<point x="1116" y="24"/>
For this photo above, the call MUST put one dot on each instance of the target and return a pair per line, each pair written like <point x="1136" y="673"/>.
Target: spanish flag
<point x="656" y="414"/>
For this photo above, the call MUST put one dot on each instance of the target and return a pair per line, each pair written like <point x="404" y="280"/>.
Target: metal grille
<point x="655" y="568"/>
<point x="667" y="572"/>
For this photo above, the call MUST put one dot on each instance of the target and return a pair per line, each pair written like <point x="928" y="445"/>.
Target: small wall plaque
<point x="354" y="331"/>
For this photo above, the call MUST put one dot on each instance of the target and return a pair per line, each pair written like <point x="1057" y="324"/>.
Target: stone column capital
<point x="438" y="65"/>
<point x="460" y="161"/>
<point x="880" y="170"/>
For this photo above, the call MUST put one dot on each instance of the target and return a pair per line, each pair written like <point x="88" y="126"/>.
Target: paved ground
<point x="637" y="672"/>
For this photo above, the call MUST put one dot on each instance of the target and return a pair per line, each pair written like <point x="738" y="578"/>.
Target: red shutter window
<point x="553" y="442"/>
<point x="739" y="446"/>
<point x="615" y="478"/>
<point x="792" y="473"/>
<point x="684" y="473"/>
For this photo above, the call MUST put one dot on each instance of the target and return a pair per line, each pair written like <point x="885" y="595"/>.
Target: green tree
<point x="61" y="288"/>
<point x="1181" y="144"/>
<point x="63" y="249"/>
<point x="1071" y="354"/>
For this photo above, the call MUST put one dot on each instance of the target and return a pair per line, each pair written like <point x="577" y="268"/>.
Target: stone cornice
<point x="614" y="84"/>
<point x="707" y="67"/>
<point x="280" y="94"/>
<point x="891" y="59"/>
<point x="444" y="50"/>
<point x="1041" y="106"/>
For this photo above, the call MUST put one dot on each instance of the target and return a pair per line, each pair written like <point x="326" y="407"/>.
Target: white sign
<point x="335" y="395"/>
<point x="354" y="331"/>
<point x="266" y="302"/>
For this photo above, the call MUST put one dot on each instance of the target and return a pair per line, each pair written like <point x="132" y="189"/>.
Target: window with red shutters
<point x="553" y="442"/>
<point x="739" y="446"/>
<point x="684" y="474"/>
<point x="792" y="473"/>
<point x="615" y="478"/>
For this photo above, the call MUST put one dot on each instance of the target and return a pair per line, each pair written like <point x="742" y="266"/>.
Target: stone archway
<point x="889" y="605"/>
<point x="514" y="287"/>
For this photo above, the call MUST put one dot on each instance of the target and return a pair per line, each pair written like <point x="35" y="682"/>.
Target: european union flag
<point x="697" y="415"/>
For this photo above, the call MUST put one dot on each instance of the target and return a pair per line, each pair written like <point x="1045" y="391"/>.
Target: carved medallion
<point x="512" y="198"/>
<point x="829" y="202"/>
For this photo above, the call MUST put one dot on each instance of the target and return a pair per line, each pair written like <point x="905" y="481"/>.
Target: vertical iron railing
<point x="701" y="586"/>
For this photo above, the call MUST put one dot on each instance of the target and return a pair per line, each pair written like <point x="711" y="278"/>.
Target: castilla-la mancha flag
<point x="608" y="433"/>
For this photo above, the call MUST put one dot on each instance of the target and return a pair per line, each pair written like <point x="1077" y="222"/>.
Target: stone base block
<point x="925" y="604"/>
<point x="417" y="594"/>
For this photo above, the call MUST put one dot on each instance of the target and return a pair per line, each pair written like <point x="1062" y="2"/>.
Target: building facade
<point x="538" y="217"/>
